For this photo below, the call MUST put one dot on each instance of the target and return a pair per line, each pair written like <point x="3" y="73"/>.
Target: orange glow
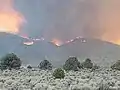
<point x="109" y="21"/>
<point x="56" y="42"/>
<point x="10" y="20"/>
<point x="117" y="42"/>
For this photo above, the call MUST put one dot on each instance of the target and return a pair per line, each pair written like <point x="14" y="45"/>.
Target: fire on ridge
<point x="54" y="41"/>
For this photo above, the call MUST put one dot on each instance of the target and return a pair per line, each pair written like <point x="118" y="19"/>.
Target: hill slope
<point x="101" y="52"/>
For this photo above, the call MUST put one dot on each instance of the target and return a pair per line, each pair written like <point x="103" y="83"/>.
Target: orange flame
<point x="57" y="42"/>
<point x="10" y="20"/>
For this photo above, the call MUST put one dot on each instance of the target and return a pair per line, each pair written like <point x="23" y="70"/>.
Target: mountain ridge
<point x="100" y="52"/>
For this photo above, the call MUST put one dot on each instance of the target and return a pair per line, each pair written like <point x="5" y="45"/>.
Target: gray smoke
<point x="65" y="19"/>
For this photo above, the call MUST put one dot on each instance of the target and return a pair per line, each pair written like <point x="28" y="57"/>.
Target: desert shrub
<point x="87" y="64"/>
<point x="71" y="64"/>
<point x="104" y="87"/>
<point x="10" y="61"/>
<point x="112" y="84"/>
<point x="59" y="73"/>
<point x="116" y="66"/>
<point x="29" y="67"/>
<point x="95" y="67"/>
<point x="80" y="66"/>
<point x="45" y="64"/>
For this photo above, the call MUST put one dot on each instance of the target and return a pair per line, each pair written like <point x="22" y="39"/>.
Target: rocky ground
<point x="34" y="79"/>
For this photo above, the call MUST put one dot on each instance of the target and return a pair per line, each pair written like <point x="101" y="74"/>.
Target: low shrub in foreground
<point x="71" y="64"/>
<point x="104" y="87"/>
<point x="45" y="65"/>
<point x="95" y="67"/>
<point x="87" y="64"/>
<point x="116" y="66"/>
<point x="29" y="67"/>
<point x="10" y="61"/>
<point x="59" y="73"/>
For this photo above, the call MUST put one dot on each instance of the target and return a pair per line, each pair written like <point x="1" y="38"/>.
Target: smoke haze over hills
<point x="100" y="52"/>
<point x="61" y="20"/>
<point x="65" y="19"/>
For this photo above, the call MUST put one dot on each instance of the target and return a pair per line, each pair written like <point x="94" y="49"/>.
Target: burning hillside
<point x="56" y="42"/>
<point x="28" y="43"/>
<point x="65" y="25"/>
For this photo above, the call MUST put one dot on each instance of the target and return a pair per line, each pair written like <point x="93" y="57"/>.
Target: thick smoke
<point x="5" y="4"/>
<point x="65" y="19"/>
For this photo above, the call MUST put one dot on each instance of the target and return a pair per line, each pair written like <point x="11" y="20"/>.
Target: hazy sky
<point x="66" y="19"/>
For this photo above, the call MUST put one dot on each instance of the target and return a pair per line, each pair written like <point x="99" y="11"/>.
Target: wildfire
<point x="117" y="42"/>
<point x="57" y="42"/>
<point x="10" y="20"/>
<point x="28" y="43"/>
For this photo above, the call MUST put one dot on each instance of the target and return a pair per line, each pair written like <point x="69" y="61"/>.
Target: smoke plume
<point x="66" y="19"/>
